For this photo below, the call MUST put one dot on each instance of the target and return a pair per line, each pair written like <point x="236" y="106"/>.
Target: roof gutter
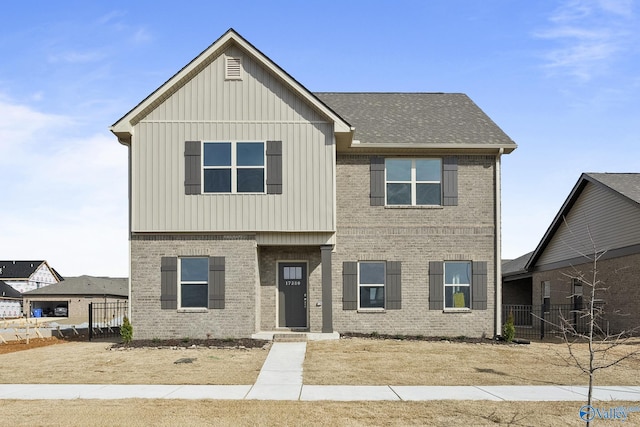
<point x="499" y="148"/>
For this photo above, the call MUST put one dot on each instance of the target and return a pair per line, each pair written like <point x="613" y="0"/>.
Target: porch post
<point x="327" y="309"/>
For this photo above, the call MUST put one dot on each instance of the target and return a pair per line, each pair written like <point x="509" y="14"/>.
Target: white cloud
<point x="587" y="36"/>
<point x="622" y="8"/>
<point x="112" y="18"/>
<point x="76" y="57"/>
<point x="66" y="195"/>
<point x="142" y="36"/>
<point x="21" y="126"/>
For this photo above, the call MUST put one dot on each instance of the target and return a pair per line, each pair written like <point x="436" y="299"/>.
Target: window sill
<point x="413" y="207"/>
<point x="193" y="310"/>
<point x="227" y="193"/>
<point x="457" y="310"/>
<point x="372" y="310"/>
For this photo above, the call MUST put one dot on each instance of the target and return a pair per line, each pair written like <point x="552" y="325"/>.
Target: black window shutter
<point x="349" y="285"/>
<point x="192" y="167"/>
<point x="169" y="283"/>
<point x="274" y="167"/>
<point x="216" y="282"/>
<point x="393" y="286"/>
<point x="436" y="285"/>
<point x="376" y="172"/>
<point x="450" y="181"/>
<point x="479" y="286"/>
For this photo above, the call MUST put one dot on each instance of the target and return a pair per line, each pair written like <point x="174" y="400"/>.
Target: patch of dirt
<point x="20" y="345"/>
<point x="399" y="337"/>
<point x="194" y="343"/>
<point x="13" y="346"/>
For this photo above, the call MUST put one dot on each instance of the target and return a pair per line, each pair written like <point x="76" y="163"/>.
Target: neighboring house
<point x="517" y="281"/>
<point x="75" y="294"/>
<point x="257" y="205"/>
<point x="26" y="276"/>
<point x="10" y="302"/>
<point x="601" y="214"/>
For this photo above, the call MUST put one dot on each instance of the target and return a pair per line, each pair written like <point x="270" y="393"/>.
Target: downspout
<point x="129" y="190"/>
<point x="498" y="246"/>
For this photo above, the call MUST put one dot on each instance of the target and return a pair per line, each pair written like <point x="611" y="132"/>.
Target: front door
<point x="292" y="295"/>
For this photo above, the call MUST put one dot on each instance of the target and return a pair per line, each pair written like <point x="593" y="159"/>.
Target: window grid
<point x="234" y="167"/>
<point x="193" y="291"/>
<point x="413" y="181"/>
<point x="457" y="284"/>
<point x="371" y="285"/>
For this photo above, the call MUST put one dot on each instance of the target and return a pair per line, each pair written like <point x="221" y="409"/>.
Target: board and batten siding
<point x="612" y="222"/>
<point x="209" y="108"/>
<point x="259" y="97"/>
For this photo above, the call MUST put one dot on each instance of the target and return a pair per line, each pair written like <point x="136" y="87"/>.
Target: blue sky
<point x="561" y="78"/>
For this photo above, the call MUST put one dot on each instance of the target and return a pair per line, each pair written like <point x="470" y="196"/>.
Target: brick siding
<point x="619" y="276"/>
<point x="413" y="236"/>
<point x="240" y="316"/>
<point x="416" y="236"/>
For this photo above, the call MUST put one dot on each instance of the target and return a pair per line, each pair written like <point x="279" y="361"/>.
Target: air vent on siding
<point x="233" y="68"/>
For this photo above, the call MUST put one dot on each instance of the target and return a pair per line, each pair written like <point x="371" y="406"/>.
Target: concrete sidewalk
<point x="314" y="392"/>
<point x="281" y="379"/>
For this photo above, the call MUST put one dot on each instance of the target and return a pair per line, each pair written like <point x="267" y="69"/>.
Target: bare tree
<point x="601" y="342"/>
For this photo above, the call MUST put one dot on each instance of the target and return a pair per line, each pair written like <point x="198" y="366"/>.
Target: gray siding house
<point x="257" y="205"/>
<point x="601" y="215"/>
<point x="75" y="294"/>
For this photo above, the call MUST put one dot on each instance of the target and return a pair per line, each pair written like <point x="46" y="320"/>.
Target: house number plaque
<point x="292" y="283"/>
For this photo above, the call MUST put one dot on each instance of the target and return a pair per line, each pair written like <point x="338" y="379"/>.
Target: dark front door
<point x="292" y="295"/>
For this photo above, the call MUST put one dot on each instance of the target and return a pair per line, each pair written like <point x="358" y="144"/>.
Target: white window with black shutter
<point x="372" y="285"/>
<point x="457" y="285"/>
<point x="233" y="167"/>
<point x="192" y="283"/>
<point x="414" y="181"/>
<point x="193" y="289"/>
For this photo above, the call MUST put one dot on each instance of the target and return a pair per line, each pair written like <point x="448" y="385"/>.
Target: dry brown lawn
<point x="95" y="363"/>
<point x="351" y="361"/>
<point x="347" y="361"/>
<point x="260" y="413"/>
<point x="396" y="362"/>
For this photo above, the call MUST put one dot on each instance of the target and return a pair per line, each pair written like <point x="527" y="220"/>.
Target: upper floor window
<point x="234" y="167"/>
<point x="413" y="182"/>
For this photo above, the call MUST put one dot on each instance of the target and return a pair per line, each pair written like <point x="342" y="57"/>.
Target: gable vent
<point x="233" y="68"/>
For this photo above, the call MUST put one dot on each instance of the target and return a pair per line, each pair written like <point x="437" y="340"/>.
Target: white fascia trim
<point x="502" y="148"/>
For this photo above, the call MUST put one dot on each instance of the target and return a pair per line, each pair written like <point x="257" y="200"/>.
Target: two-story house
<point x="25" y="276"/>
<point x="257" y="205"/>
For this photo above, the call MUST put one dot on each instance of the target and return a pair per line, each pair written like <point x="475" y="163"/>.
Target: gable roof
<point x="22" y="270"/>
<point x="124" y="126"/>
<point x="7" y="291"/>
<point x="626" y="186"/>
<point x="86" y="285"/>
<point x="429" y="120"/>
<point x="515" y="268"/>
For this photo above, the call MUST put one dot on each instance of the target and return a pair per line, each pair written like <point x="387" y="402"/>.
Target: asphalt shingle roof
<point x="627" y="184"/>
<point x="7" y="291"/>
<point x="86" y="285"/>
<point x="515" y="266"/>
<point x="18" y="269"/>
<point x="437" y="118"/>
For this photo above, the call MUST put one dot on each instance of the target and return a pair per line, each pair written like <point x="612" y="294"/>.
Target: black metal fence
<point x="540" y="321"/>
<point x="105" y="319"/>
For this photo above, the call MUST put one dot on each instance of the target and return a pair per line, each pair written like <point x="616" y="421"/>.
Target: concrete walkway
<point x="281" y="379"/>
